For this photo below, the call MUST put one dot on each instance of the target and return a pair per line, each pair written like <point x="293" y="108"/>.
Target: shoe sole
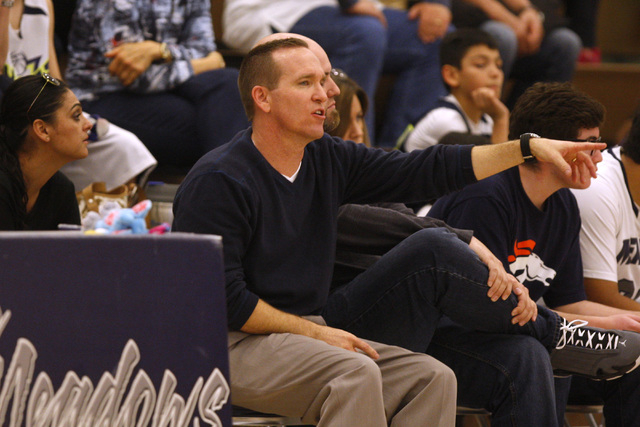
<point x="563" y="374"/>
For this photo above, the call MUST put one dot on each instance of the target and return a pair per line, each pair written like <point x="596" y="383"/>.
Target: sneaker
<point x="593" y="352"/>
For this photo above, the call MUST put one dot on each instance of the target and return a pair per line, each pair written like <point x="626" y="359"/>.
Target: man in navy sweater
<point x="273" y="193"/>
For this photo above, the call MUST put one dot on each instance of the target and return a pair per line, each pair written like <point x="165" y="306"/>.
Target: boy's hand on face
<point x="488" y="102"/>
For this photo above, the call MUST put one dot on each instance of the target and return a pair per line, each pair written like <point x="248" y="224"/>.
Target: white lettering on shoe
<point x="78" y="403"/>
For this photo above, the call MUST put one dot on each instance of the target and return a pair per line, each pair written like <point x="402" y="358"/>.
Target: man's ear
<point x="41" y="129"/>
<point x="262" y="98"/>
<point x="451" y="75"/>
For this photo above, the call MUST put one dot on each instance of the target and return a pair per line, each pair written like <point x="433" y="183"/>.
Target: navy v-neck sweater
<point x="279" y="236"/>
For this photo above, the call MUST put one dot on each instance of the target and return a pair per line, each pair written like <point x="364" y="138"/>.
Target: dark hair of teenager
<point x="631" y="145"/>
<point x="259" y="69"/>
<point x="348" y="89"/>
<point x="555" y="111"/>
<point x="27" y="99"/>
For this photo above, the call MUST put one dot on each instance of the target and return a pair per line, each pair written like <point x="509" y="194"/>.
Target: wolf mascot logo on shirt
<point x="526" y="266"/>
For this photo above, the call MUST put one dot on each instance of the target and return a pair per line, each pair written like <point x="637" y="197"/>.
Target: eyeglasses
<point x="47" y="79"/>
<point x="592" y="139"/>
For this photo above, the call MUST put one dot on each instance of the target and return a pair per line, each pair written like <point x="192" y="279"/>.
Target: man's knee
<point x="564" y="43"/>
<point x="440" y="242"/>
<point x="505" y="37"/>
<point x="356" y="373"/>
<point x="439" y="374"/>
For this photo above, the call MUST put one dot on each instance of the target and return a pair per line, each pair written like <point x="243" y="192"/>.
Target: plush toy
<point x="124" y="221"/>
<point x="112" y="219"/>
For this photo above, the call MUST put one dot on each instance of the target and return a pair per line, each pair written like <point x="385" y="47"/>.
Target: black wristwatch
<point x="525" y="148"/>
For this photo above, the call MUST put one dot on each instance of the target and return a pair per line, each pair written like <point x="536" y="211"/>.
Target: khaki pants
<point x="297" y="376"/>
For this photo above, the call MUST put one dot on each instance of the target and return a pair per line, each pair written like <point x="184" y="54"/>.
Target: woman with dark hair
<point x="42" y="128"/>
<point x="352" y="105"/>
<point x="27" y="48"/>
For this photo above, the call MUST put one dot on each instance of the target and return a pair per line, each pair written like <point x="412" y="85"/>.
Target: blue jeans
<point x="180" y="125"/>
<point x="364" y="49"/>
<point x="554" y="62"/>
<point x="401" y="298"/>
<point x="621" y="397"/>
<point x="503" y="374"/>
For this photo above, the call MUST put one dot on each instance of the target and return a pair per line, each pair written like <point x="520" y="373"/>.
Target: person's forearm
<point x="266" y="319"/>
<point x="481" y="250"/>
<point x="517" y="5"/>
<point x="488" y="160"/>
<point x="618" y="301"/>
<point x="621" y="302"/>
<point x="606" y="292"/>
<point x="589" y="308"/>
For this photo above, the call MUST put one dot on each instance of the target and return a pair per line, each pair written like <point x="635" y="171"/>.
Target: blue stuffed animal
<point x="125" y="221"/>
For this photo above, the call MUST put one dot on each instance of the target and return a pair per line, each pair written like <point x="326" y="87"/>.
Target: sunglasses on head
<point x="47" y="79"/>
<point x="337" y="72"/>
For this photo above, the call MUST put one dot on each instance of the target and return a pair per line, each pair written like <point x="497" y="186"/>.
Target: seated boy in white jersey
<point x="609" y="239"/>
<point x="472" y="72"/>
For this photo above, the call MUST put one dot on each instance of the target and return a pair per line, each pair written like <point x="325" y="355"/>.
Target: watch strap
<point x="525" y="147"/>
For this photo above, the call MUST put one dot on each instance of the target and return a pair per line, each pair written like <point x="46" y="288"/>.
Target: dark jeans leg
<point x="399" y="299"/>
<point x="508" y="375"/>
<point x="621" y="397"/>
<point x="583" y="17"/>
<point x="418" y="80"/>
<point x="219" y="111"/>
<point x="179" y="126"/>
<point x="554" y="62"/>
<point x="164" y="122"/>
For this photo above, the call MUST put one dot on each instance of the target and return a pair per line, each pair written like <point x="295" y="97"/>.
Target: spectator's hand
<point x="534" y="31"/>
<point x="212" y="61"/>
<point x="526" y="309"/>
<point x="343" y="339"/>
<point x="365" y="7"/>
<point x="579" y="172"/>
<point x="623" y="322"/>
<point x="487" y="100"/>
<point x="433" y="20"/>
<point x="129" y="60"/>
<point x="500" y="282"/>
<point x="520" y="31"/>
<point x="563" y="153"/>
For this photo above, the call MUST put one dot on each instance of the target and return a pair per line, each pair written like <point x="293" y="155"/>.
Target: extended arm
<point x="488" y="160"/>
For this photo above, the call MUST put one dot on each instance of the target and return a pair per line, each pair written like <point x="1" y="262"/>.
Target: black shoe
<point x="593" y="352"/>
